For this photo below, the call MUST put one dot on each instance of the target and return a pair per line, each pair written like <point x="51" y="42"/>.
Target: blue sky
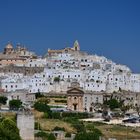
<point x="104" y="27"/>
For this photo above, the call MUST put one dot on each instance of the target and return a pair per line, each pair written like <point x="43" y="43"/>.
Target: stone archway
<point x="75" y="107"/>
<point x="91" y="109"/>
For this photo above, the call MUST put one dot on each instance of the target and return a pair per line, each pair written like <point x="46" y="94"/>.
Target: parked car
<point x="132" y="120"/>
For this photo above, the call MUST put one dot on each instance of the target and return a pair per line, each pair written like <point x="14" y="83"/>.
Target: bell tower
<point x="76" y="46"/>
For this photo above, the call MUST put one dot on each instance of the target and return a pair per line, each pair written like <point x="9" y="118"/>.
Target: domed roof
<point x="9" y="46"/>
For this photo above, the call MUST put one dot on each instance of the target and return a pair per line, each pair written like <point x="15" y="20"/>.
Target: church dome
<point x="9" y="46"/>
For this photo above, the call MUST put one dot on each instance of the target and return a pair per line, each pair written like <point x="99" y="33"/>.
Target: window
<point x="97" y="99"/>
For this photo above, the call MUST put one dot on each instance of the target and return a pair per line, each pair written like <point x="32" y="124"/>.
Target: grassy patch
<point x="37" y="114"/>
<point x="10" y="115"/>
<point x="117" y="131"/>
<point x="50" y="124"/>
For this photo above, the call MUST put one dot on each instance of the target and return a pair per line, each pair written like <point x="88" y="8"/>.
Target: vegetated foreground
<point x="118" y="131"/>
<point x="70" y="123"/>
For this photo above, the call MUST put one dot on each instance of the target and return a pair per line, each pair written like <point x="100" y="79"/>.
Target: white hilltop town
<point x="23" y="73"/>
<point x="83" y="81"/>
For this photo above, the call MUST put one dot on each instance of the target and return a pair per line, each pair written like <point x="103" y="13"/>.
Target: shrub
<point x="51" y="137"/>
<point x="60" y="101"/>
<point x="57" y="128"/>
<point x="56" y="115"/>
<point x="90" y="127"/>
<point x="41" y="134"/>
<point x="79" y="126"/>
<point x="68" y="135"/>
<point x="45" y="136"/>
<point x="71" y="120"/>
<point x="3" y="100"/>
<point x="37" y="126"/>
<point x="87" y="136"/>
<point x="46" y="116"/>
<point x="75" y="115"/>
<point x="42" y="107"/>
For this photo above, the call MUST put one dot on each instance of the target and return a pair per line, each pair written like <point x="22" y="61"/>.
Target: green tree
<point x="9" y="130"/>
<point x="57" y="128"/>
<point x="15" y="104"/>
<point x="3" y="100"/>
<point x="42" y="107"/>
<point x="56" y="79"/>
<point x="51" y="137"/>
<point x="112" y="103"/>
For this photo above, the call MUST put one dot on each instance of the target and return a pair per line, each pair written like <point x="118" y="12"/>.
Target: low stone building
<point x="25" y="97"/>
<point x="78" y="100"/>
<point x="129" y="98"/>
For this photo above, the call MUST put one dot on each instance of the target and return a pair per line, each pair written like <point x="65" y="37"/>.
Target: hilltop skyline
<point x="106" y="28"/>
